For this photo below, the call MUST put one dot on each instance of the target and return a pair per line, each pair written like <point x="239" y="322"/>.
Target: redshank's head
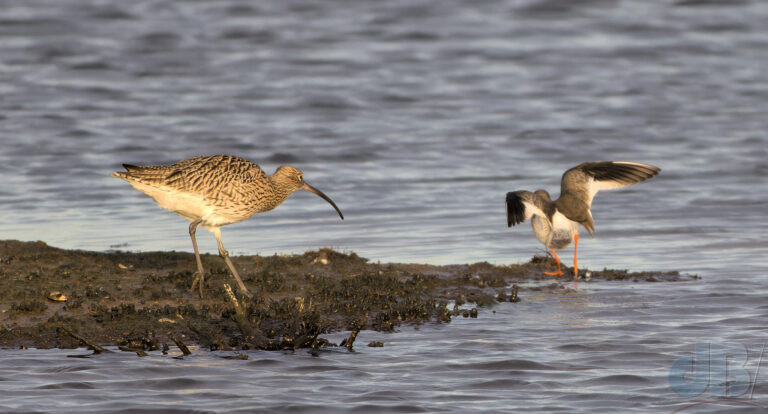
<point x="293" y="179"/>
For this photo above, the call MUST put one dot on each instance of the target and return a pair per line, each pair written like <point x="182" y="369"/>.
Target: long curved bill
<point x="325" y="197"/>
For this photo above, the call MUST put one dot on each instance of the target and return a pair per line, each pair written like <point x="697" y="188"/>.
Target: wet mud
<point x="141" y="302"/>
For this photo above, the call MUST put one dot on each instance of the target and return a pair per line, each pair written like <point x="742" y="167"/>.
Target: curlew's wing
<point x="215" y="179"/>
<point x="201" y="175"/>
<point x="211" y="174"/>
<point x="585" y="180"/>
<point x="522" y="205"/>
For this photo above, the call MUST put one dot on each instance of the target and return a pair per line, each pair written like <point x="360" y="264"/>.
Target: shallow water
<point x="416" y="118"/>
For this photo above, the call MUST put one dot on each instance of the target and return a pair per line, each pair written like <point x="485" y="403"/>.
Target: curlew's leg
<point x="559" y="272"/>
<point x="223" y="253"/>
<point x="575" y="263"/>
<point x="200" y="274"/>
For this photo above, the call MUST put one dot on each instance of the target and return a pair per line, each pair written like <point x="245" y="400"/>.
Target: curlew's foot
<point x="244" y="291"/>
<point x="198" y="281"/>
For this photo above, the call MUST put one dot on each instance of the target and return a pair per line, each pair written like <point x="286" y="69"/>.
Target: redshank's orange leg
<point x="575" y="249"/>
<point x="559" y="272"/>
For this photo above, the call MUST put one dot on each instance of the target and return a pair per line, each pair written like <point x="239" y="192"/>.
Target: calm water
<point x="416" y="117"/>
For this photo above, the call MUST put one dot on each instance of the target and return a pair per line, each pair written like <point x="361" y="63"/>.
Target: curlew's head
<point x="291" y="179"/>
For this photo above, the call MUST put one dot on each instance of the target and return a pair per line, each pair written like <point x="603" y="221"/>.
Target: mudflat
<point x="51" y="297"/>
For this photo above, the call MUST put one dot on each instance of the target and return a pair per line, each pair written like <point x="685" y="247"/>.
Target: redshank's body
<point x="216" y="190"/>
<point x="556" y="223"/>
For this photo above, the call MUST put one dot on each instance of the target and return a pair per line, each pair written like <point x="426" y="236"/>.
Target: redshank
<point x="556" y="223"/>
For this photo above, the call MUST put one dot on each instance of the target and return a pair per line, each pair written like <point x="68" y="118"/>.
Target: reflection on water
<point x="608" y="343"/>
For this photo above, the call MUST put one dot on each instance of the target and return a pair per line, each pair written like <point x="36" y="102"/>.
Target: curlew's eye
<point x="301" y="177"/>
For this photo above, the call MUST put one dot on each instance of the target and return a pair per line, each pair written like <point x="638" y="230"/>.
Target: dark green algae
<point x="140" y="301"/>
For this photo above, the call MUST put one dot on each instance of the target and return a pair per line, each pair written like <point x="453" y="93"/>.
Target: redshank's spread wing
<point x="588" y="178"/>
<point x="522" y="205"/>
<point x="580" y="184"/>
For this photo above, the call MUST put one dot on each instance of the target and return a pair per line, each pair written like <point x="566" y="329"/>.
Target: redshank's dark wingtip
<point x="515" y="209"/>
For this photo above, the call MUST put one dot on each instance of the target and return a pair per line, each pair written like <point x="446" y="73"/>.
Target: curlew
<point x="216" y="190"/>
<point x="556" y="223"/>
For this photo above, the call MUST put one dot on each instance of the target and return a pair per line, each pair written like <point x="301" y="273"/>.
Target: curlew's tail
<point x="148" y="174"/>
<point x="124" y="174"/>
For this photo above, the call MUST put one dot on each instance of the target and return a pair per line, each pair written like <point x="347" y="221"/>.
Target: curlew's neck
<point x="282" y="187"/>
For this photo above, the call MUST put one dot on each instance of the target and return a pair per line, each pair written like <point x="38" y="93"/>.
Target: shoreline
<point x="140" y="301"/>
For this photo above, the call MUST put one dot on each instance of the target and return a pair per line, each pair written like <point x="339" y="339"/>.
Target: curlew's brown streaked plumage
<point x="216" y="190"/>
<point x="556" y="223"/>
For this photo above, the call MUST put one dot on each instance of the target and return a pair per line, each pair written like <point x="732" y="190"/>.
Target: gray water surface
<point x="416" y="117"/>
